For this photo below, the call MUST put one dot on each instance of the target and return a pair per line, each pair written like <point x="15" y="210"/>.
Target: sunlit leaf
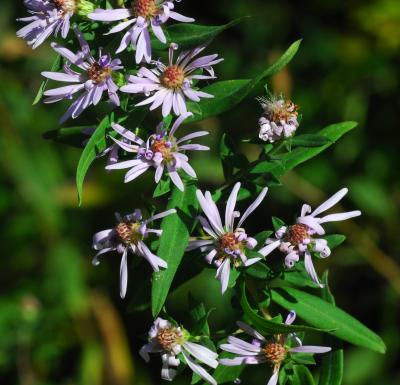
<point x="173" y="242"/>
<point x="229" y="93"/>
<point x="321" y="314"/>
<point x="190" y="35"/>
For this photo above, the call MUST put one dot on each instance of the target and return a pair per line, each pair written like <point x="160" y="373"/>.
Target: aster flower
<point x="171" y="85"/>
<point x="162" y="151"/>
<point x="170" y="341"/>
<point x="129" y="235"/>
<point x="94" y="77"/>
<point x="139" y="17"/>
<point x="227" y="245"/>
<point x="279" y="119"/>
<point x="301" y="239"/>
<point x="50" y="17"/>
<point x="273" y="351"/>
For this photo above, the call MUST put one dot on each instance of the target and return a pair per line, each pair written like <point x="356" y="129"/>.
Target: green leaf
<point x="277" y="223"/>
<point x="230" y="93"/>
<point x="226" y="374"/>
<point x="321" y="314"/>
<point x="173" y="242"/>
<point x="199" y="315"/>
<point x="300" y="155"/>
<point x="95" y="145"/>
<point x="190" y="35"/>
<point x="299" y="277"/>
<point x="268" y="326"/>
<point x="331" y="372"/>
<point x="54" y="68"/>
<point x="163" y="187"/>
<point x="259" y="271"/>
<point x="309" y="140"/>
<point x="302" y="376"/>
<point x="334" y="240"/>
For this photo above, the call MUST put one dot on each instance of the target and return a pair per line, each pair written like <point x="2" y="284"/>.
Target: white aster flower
<point x="138" y="18"/>
<point x="171" y="341"/>
<point x="88" y="76"/>
<point x="279" y="119"/>
<point x="273" y="351"/>
<point x="301" y="239"/>
<point x="162" y="151"/>
<point x="171" y="85"/>
<point x="47" y="18"/>
<point x="227" y="245"/>
<point x="129" y="235"/>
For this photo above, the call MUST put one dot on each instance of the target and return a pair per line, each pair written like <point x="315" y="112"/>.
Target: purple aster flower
<point x="170" y="341"/>
<point x="129" y="235"/>
<point x="162" y="151"/>
<point x="142" y="14"/>
<point x="48" y="17"/>
<point x="171" y="85"/>
<point x="273" y="351"/>
<point x="92" y="79"/>
<point x="301" y="239"/>
<point x="226" y="245"/>
<point x="279" y="119"/>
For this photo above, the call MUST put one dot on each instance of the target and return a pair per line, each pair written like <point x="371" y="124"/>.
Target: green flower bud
<point x="84" y="7"/>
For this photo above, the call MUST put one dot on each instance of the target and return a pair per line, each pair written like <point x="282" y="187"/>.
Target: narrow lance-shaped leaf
<point x="55" y="67"/>
<point x="321" y="314"/>
<point x="300" y="155"/>
<point x="95" y="145"/>
<point x="173" y="242"/>
<point x="331" y="372"/>
<point x="190" y="35"/>
<point x="302" y="376"/>
<point x="309" y="140"/>
<point x="283" y="163"/>
<point x="266" y="326"/>
<point x="230" y="93"/>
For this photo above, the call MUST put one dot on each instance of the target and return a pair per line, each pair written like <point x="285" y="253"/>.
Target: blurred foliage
<point x="61" y="320"/>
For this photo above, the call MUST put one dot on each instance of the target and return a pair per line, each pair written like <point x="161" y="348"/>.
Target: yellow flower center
<point x="275" y="353"/>
<point x="65" y="5"/>
<point x="283" y="112"/>
<point x="98" y="73"/>
<point x="164" y="149"/>
<point x="145" y="8"/>
<point x="173" y="77"/>
<point x="296" y="234"/>
<point x="128" y="232"/>
<point x="168" y="338"/>
<point x="227" y="247"/>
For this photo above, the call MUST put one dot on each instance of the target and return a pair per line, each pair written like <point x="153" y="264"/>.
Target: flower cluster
<point x="129" y="235"/>
<point x="302" y="238"/>
<point x="171" y="85"/>
<point x="142" y="14"/>
<point x="91" y="78"/>
<point x="50" y="17"/>
<point x="260" y="350"/>
<point x="227" y="244"/>
<point x="161" y="151"/>
<point x="89" y="74"/>
<point x="170" y="341"/>
<point x="279" y="120"/>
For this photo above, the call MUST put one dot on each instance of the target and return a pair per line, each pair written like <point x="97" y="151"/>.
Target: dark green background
<point x="62" y="321"/>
